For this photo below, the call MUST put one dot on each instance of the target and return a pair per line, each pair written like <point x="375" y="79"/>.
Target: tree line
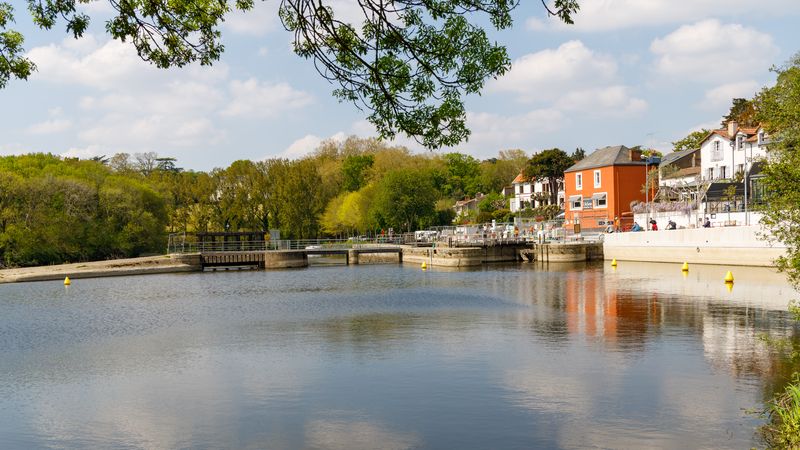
<point x="55" y="210"/>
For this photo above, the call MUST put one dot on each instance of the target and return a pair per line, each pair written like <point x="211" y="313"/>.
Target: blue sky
<point x="628" y="72"/>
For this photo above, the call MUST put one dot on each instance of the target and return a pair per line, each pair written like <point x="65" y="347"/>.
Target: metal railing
<point x="179" y="243"/>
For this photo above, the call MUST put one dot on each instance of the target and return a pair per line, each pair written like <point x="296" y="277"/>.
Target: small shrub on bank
<point x="783" y="412"/>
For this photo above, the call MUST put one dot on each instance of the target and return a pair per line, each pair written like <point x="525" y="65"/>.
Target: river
<point x="394" y="357"/>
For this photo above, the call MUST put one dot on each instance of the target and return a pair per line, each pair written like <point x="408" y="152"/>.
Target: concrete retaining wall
<point x="722" y="245"/>
<point x="569" y="252"/>
<point x="461" y="256"/>
<point x="285" y="259"/>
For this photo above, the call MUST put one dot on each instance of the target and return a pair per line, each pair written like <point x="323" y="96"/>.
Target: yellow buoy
<point x="424" y="266"/>
<point x="67" y="282"/>
<point x="729" y="287"/>
<point x="614" y="262"/>
<point x="729" y="277"/>
<point x="685" y="267"/>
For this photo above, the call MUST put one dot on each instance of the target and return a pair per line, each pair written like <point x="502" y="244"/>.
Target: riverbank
<point x="93" y="269"/>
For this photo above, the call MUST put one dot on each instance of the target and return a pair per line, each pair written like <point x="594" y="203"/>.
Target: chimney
<point x="635" y="154"/>
<point x="733" y="127"/>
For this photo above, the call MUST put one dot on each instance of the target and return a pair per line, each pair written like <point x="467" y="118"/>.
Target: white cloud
<point x="261" y="99"/>
<point x="260" y="20"/>
<point x="491" y="132"/>
<point x="722" y="96"/>
<point x="711" y="51"/>
<point x="84" y="152"/>
<point x="614" y="100"/>
<point x="95" y="7"/>
<point x="605" y="15"/>
<point x="546" y="74"/>
<point x="49" y="126"/>
<point x="570" y="78"/>
<point x="85" y="62"/>
<point x="356" y="434"/>
<point x="307" y="144"/>
<point x="131" y="106"/>
<point x="14" y="148"/>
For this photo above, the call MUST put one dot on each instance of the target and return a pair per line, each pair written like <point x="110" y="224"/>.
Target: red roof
<point x="521" y="179"/>
<point x="749" y="131"/>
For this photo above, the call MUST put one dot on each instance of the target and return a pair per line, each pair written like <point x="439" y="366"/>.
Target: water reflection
<point x="565" y="356"/>
<point x="338" y="434"/>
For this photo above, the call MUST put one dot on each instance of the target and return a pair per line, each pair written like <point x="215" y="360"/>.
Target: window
<point x="597" y="178"/>
<point x="716" y="153"/>
<point x="600" y="200"/>
<point x="578" y="181"/>
<point x="740" y="142"/>
<point x="520" y="189"/>
<point x="575" y="202"/>
<point x="722" y="172"/>
<point x="760" y="137"/>
<point x="710" y="173"/>
<point x="740" y="168"/>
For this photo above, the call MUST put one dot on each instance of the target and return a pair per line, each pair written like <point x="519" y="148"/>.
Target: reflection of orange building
<point x="596" y="310"/>
<point x="602" y="186"/>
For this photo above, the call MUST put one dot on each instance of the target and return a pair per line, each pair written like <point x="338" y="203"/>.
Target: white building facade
<point x="732" y="150"/>
<point x="530" y="193"/>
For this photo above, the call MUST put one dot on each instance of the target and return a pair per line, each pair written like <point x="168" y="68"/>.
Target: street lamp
<point x="746" y="172"/>
<point x="648" y="160"/>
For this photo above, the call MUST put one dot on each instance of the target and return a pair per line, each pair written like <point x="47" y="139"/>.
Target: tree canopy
<point x="549" y="164"/>
<point x="742" y="112"/>
<point x="692" y="141"/>
<point x="56" y="209"/>
<point x="408" y="64"/>
<point x="778" y="110"/>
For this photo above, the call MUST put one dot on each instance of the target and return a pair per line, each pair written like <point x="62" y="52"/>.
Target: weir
<point x="285" y="259"/>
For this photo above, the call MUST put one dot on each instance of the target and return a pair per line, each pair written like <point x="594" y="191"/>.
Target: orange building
<point x="602" y="186"/>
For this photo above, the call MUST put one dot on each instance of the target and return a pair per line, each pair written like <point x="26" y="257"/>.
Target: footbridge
<point x="254" y="250"/>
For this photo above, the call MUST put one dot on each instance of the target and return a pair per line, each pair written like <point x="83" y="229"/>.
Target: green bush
<point x="783" y="411"/>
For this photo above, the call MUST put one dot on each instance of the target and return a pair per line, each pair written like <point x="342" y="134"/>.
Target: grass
<point x="783" y="428"/>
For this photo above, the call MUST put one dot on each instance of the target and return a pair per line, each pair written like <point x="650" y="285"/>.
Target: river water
<point x="393" y="357"/>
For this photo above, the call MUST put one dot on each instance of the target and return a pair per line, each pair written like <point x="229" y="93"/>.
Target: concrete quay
<point x="738" y="246"/>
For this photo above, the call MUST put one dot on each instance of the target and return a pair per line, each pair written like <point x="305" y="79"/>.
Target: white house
<point x="728" y="151"/>
<point x="532" y="193"/>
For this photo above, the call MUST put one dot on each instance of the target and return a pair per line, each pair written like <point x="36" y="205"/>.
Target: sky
<point x="630" y="72"/>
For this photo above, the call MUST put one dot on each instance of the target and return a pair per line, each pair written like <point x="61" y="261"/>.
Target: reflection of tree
<point x="736" y="338"/>
<point x="380" y="332"/>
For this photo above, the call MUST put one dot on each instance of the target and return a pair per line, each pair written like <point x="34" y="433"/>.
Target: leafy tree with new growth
<point x="743" y="112"/>
<point x="549" y="164"/>
<point x="779" y="113"/>
<point x="406" y="63"/>
<point x="692" y="141"/>
<point x="404" y="200"/>
<point x="354" y="171"/>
